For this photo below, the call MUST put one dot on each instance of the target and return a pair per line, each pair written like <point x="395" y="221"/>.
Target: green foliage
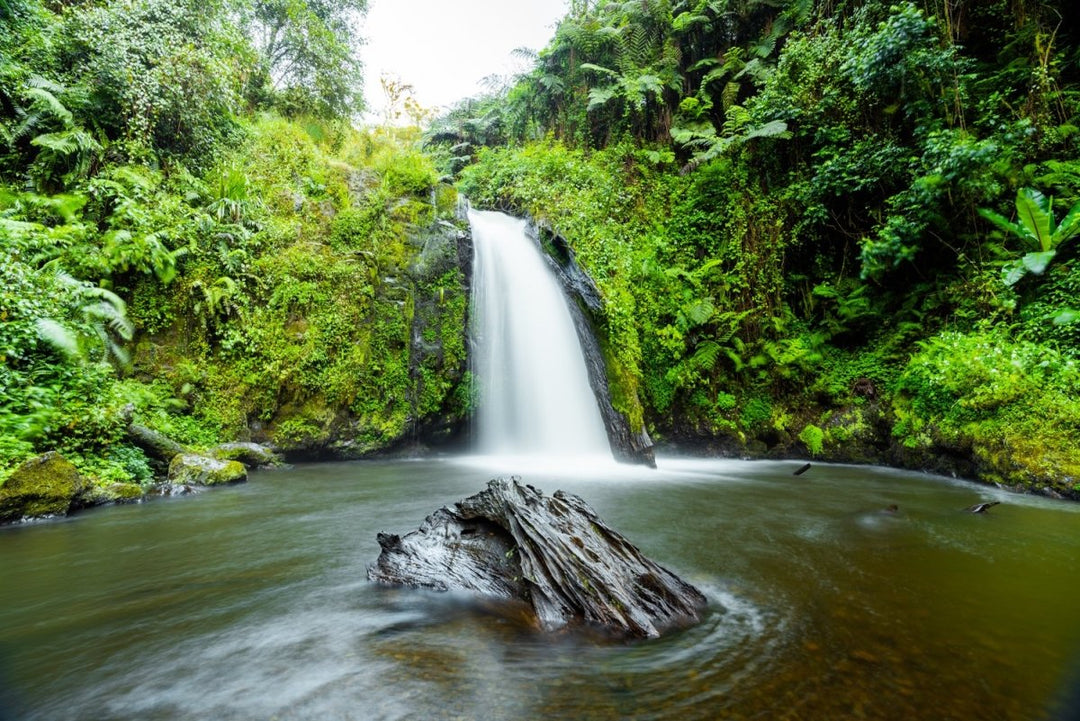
<point x="826" y="214"/>
<point x="777" y="201"/>
<point x="1049" y="315"/>
<point x="160" y="74"/>
<point x="316" y="325"/>
<point x="813" y="438"/>
<point x="1039" y="230"/>
<point x="307" y="59"/>
<point x="1016" y="403"/>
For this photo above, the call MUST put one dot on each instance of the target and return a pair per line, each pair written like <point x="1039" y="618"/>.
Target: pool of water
<point x="250" y="602"/>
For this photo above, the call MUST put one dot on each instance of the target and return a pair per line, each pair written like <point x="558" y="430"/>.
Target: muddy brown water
<point x="250" y="602"/>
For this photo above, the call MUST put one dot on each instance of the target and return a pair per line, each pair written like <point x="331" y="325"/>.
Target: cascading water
<point x="534" y="392"/>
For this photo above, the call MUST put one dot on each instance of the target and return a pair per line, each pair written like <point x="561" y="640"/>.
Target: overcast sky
<point x="445" y="47"/>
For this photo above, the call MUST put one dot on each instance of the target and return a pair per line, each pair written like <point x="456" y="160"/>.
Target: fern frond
<point x="705" y="355"/>
<point x="599" y="97"/>
<point x="599" y="69"/>
<point x="41" y="95"/>
<point x="524" y="53"/>
<point x="771" y="129"/>
<point x="58" y="337"/>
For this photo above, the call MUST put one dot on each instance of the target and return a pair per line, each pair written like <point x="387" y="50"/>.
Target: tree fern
<point x="599" y="97"/>
<point x="697" y="312"/>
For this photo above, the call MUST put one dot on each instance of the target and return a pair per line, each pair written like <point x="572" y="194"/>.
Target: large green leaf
<point x="1033" y="210"/>
<point x="1012" y="272"/>
<point x="1003" y="223"/>
<point x="1069" y="227"/>
<point x="1037" y="262"/>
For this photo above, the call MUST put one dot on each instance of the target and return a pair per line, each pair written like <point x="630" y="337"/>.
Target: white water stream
<point x="534" y="392"/>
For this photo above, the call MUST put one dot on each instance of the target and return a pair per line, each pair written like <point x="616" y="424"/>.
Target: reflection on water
<point x="250" y="603"/>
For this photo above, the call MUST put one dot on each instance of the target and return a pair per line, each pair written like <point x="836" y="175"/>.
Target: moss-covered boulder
<point x="113" y="493"/>
<point x="192" y="469"/>
<point x="252" y="455"/>
<point x="44" y="486"/>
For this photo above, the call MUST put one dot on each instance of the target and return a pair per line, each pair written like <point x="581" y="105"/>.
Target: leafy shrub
<point x="813" y="438"/>
<point x="1016" y="403"/>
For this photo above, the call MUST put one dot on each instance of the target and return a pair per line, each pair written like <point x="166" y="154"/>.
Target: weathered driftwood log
<point x="157" y="445"/>
<point x="553" y="552"/>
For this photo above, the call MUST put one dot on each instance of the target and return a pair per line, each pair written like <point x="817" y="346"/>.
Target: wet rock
<point x="586" y="307"/>
<point x="124" y="492"/>
<point x="190" y="469"/>
<point x="44" y="486"/>
<point x="510" y="541"/>
<point x="115" y="493"/>
<point x="252" y="455"/>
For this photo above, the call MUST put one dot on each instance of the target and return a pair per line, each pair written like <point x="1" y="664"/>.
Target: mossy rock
<point x="250" y="454"/>
<point x="113" y="493"/>
<point x="44" y="486"/>
<point x="124" y="492"/>
<point x="191" y="469"/>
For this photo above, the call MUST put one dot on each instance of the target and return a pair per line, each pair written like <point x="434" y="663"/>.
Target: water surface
<point x="250" y="602"/>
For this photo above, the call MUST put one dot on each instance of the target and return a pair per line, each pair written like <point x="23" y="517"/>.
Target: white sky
<point x="443" y="48"/>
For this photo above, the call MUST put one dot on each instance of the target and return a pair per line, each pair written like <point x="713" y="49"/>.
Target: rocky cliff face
<point x="586" y="307"/>
<point x="420" y="318"/>
<point x="438" y="358"/>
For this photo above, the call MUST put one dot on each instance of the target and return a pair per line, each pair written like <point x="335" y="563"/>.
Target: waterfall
<point x="534" y="392"/>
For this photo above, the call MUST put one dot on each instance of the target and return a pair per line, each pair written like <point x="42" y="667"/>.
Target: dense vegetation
<point x="839" y="228"/>
<point x="835" y="228"/>
<point x="196" y="239"/>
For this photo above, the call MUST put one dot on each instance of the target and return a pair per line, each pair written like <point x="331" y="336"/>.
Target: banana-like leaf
<point x="1012" y="272"/>
<point x="1002" y="222"/>
<point x="1033" y="210"/>
<point x="1070" y="225"/>
<point x="1037" y="262"/>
